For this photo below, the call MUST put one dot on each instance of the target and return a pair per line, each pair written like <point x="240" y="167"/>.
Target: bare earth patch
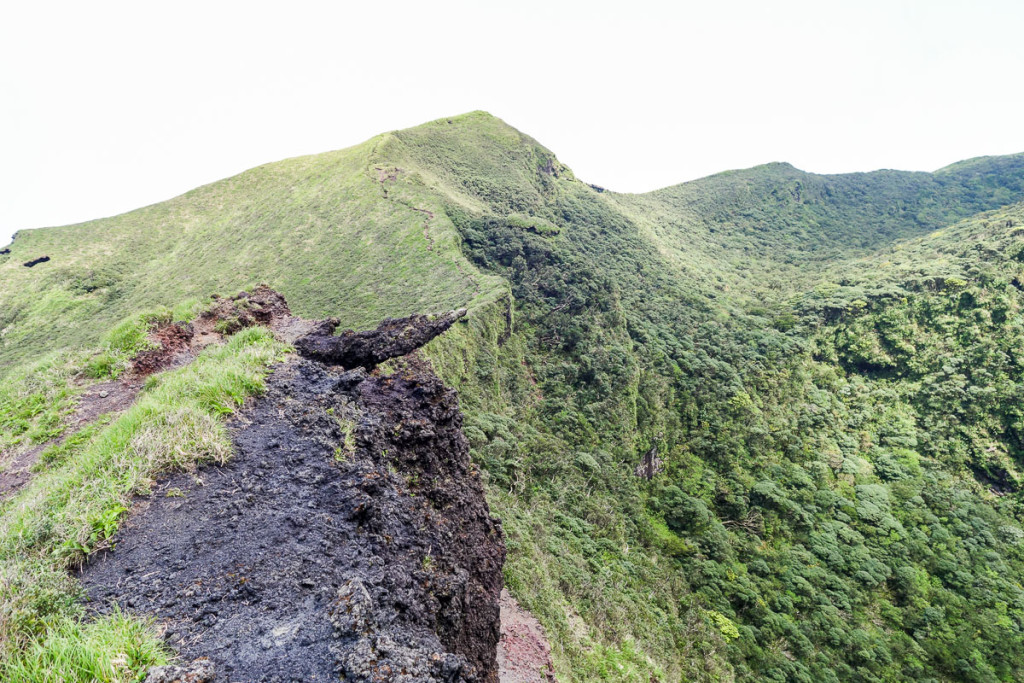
<point x="99" y="399"/>
<point x="524" y="655"/>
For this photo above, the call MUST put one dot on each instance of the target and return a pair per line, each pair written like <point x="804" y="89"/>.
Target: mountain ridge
<point x="759" y="426"/>
<point x="482" y="114"/>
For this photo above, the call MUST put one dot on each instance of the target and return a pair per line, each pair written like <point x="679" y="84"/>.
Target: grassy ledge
<point x="74" y="508"/>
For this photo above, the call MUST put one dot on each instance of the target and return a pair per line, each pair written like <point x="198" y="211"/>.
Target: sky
<point x="109" y="106"/>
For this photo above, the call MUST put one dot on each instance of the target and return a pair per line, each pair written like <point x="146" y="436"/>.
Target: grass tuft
<point x="112" y="649"/>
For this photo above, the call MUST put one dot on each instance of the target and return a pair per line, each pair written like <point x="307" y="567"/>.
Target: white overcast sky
<point x="108" y="106"/>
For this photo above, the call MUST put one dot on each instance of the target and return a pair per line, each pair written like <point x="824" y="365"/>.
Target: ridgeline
<point x="767" y="425"/>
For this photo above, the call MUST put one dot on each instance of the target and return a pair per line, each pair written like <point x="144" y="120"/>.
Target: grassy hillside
<point x="822" y="371"/>
<point x="321" y="229"/>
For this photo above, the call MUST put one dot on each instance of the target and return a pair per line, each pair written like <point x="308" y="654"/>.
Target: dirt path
<point x="426" y="226"/>
<point x="17" y="471"/>
<point x="524" y="655"/>
<point x="175" y="346"/>
<point x="386" y="175"/>
<point x="98" y="399"/>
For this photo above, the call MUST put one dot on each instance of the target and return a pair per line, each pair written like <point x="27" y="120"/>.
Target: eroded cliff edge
<point x="349" y="537"/>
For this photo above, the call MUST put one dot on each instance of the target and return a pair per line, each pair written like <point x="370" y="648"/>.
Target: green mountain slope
<point x="775" y="225"/>
<point x="320" y="228"/>
<point x="822" y="373"/>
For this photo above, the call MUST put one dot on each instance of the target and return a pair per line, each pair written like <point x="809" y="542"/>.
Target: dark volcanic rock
<point x="394" y="337"/>
<point x="199" y="671"/>
<point x="348" y="539"/>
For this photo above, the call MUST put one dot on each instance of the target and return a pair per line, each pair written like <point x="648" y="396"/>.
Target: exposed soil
<point x="99" y="399"/>
<point x="177" y="344"/>
<point x="348" y="538"/>
<point x="524" y="655"/>
<point x="17" y="471"/>
<point x="261" y="306"/>
<point x="174" y="349"/>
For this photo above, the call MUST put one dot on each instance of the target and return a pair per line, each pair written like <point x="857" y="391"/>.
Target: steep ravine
<point x="348" y="538"/>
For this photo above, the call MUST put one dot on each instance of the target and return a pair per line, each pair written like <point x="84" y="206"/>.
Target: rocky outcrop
<point x="349" y="537"/>
<point x="394" y="337"/>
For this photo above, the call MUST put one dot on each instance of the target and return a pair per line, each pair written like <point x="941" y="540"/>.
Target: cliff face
<point x="348" y="538"/>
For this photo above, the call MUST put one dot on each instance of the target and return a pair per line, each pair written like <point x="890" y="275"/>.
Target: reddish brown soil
<point x="524" y="655"/>
<point x="173" y="349"/>
<point x="177" y="345"/>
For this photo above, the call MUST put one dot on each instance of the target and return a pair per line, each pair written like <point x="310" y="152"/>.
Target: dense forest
<point x="768" y="425"/>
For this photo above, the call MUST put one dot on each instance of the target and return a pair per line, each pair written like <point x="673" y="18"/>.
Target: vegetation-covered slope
<point x="318" y="227"/>
<point x="821" y="374"/>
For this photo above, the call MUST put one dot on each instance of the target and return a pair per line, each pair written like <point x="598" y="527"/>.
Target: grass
<point x="74" y="507"/>
<point x="34" y="403"/>
<point x="111" y="649"/>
